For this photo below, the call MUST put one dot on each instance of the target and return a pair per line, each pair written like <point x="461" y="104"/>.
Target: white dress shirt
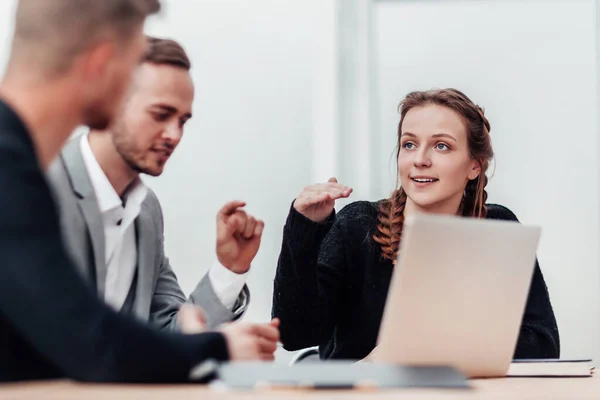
<point x="120" y="242"/>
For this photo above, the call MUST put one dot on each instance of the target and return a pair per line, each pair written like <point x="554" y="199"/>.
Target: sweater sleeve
<point x="308" y="280"/>
<point x="538" y="337"/>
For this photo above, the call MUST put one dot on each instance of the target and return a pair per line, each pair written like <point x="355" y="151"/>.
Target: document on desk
<point x="336" y="375"/>
<point x="551" y="368"/>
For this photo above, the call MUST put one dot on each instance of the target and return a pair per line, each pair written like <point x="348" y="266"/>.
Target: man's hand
<point x="238" y="237"/>
<point x="191" y="319"/>
<point x="251" y="342"/>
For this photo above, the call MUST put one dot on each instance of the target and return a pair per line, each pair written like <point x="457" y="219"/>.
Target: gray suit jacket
<point x="155" y="294"/>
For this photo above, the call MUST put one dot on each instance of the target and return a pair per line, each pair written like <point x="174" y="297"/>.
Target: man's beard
<point x="127" y="152"/>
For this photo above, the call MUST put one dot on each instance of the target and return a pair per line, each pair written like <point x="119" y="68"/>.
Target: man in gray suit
<point x="112" y="223"/>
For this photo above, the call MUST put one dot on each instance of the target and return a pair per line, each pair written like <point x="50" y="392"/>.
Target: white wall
<point x="532" y="65"/>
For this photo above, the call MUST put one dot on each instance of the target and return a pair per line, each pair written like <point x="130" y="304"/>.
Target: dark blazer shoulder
<point x="498" y="211"/>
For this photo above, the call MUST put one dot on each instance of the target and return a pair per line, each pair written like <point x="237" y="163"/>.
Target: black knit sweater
<point x="331" y="286"/>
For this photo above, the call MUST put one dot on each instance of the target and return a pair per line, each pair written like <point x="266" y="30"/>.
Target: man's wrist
<point x="226" y="283"/>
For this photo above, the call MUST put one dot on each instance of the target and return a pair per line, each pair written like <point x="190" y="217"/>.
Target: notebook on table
<point x="551" y="368"/>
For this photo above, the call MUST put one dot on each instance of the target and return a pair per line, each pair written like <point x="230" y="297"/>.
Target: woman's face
<point x="434" y="162"/>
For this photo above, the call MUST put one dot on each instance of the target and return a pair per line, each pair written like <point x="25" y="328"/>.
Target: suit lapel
<point x="88" y="206"/>
<point x="145" y="237"/>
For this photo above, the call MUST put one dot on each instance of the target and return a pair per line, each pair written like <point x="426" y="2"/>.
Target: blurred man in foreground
<point x="70" y="64"/>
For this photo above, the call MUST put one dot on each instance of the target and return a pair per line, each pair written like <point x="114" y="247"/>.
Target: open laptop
<point x="458" y="294"/>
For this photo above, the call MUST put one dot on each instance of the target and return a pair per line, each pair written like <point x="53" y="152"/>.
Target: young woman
<point x="334" y="269"/>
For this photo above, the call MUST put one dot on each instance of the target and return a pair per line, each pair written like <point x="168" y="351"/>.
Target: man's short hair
<point x="166" y="52"/>
<point x="53" y="32"/>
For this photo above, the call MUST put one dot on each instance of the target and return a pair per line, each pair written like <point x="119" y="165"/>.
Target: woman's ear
<point x="475" y="170"/>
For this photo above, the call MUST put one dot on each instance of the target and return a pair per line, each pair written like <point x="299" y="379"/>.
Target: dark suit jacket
<point x="51" y="323"/>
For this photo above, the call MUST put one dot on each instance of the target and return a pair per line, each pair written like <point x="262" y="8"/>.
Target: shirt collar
<point x="108" y="199"/>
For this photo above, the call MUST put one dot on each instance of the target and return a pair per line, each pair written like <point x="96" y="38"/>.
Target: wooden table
<point x="510" y="388"/>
